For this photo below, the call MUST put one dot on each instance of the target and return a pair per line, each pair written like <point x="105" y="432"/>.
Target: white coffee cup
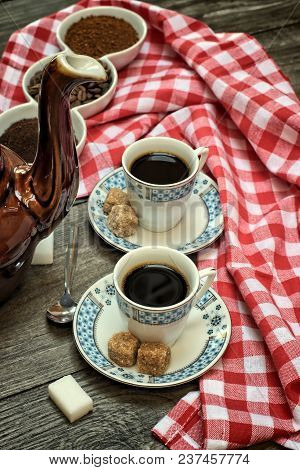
<point x="164" y="324"/>
<point x="161" y="207"/>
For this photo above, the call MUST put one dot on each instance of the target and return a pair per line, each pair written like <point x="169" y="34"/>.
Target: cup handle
<point x="210" y="274"/>
<point x="202" y="152"/>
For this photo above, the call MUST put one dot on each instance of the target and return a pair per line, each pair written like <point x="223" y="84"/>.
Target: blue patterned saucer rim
<point x="100" y="301"/>
<point x="116" y="179"/>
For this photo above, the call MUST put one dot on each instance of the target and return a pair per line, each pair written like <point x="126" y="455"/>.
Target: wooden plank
<point x="40" y="360"/>
<point x="15" y="14"/>
<point x="33" y="351"/>
<point x="249" y="16"/>
<point x="122" y="417"/>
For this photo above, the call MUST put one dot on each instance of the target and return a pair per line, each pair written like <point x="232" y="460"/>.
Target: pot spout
<point x="81" y="66"/>
<point x="50" y="186"/>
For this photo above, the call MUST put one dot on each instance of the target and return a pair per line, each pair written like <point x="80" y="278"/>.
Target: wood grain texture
<point x="122" y="417"/>
<point x="34" y="352"/>
<point x="28" y="341"/>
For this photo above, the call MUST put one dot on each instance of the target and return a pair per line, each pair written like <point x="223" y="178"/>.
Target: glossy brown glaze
<point x="34" y="199"/>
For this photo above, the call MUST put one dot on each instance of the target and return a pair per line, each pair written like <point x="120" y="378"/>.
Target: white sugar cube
<point x="70" y="398"/>
<point x="44" y="251"/>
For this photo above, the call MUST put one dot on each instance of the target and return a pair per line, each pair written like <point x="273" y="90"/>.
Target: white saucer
<point x="202" y="343"/>
<point x="202" y="224"/>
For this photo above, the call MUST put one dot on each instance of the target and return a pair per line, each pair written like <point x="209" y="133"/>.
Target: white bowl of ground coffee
<point x="112" y="32"/>
<point x="19" y="130"/>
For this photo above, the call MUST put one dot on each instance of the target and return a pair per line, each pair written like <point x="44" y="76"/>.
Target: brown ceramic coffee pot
<point x="35" y="198"/>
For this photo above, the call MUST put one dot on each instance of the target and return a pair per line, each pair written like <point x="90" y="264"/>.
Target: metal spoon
<point x="63" y="310"/>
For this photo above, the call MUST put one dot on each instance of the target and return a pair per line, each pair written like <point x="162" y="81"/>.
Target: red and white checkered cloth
<point x="222" y="91"/>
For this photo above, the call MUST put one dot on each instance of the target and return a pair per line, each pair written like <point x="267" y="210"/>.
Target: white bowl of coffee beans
<point x="89" y="99"/>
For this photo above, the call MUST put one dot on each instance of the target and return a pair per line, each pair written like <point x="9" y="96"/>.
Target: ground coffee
<point x="99" y="35"/>
<point x="80" y="95"/>
<point x="22" y="138"/>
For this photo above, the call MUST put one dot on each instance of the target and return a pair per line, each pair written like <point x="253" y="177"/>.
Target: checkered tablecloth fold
<point x="222" y="91"/>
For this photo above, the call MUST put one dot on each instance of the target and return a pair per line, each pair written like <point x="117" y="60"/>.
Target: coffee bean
<point x="95" y="90"/>
<point x="34" y="89"/>
<point x="90" y="85"/>
<point x="76" y="103"/>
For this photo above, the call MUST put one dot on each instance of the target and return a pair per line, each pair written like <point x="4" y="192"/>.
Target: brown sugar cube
<point x="115" y="197"/>
<point x="123" y="348"/>
<point x="153" y="358"/>
<point x="122" y="221"/>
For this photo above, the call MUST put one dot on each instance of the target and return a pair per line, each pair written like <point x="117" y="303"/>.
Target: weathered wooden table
<point x="32" y="351"/>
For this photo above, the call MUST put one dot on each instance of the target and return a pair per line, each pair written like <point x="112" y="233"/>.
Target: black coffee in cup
<point x="155" y="285"/>
<point x="159" y="168"/>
